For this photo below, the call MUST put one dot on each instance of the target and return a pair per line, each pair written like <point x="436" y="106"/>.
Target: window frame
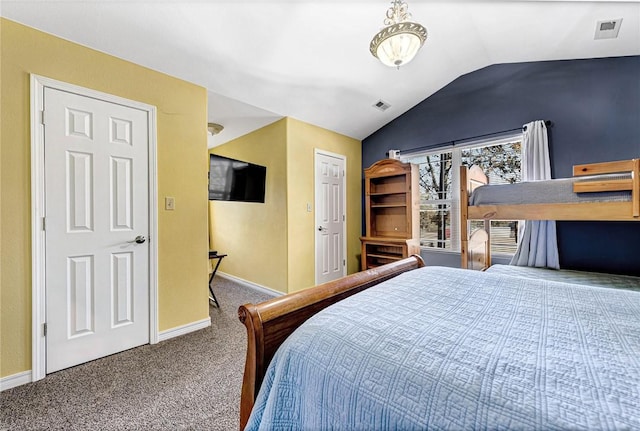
<point x="456" y="150"/>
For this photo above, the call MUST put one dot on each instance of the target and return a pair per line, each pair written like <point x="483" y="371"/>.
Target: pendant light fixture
<point x="214" y="128"/>
<point x="397" y="43"/>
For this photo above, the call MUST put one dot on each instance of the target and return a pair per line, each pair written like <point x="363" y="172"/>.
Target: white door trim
<point x="38" y="262"/>
<point x="342" y="157"/>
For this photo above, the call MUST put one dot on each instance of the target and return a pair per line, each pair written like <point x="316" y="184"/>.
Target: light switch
<point x="308" y="207"/>
<point x="169" y="203"/>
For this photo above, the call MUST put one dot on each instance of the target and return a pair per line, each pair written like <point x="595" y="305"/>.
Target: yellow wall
<point x="302" y="140"/>
<point x="273" y="244"/>
<point x="182" y="173"/>
<point x="254" y="234"/>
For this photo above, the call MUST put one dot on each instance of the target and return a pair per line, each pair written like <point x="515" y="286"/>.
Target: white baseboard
<point x="251" y="285"/>
<point x="15" y="380"/>
<point x="25" y="377"/>
<point x="184" y="329"/>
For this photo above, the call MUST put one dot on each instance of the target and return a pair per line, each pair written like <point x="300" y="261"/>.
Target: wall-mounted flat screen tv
<point x="235" y="180"/>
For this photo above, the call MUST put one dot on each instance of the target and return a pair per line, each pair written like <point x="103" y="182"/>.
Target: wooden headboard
<point x="478" y="254"/>
<point x="470" y="179"/>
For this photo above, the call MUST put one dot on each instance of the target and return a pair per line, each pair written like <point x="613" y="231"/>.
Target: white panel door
<point x="330" y="217"/>
<point x="96" y="204"/>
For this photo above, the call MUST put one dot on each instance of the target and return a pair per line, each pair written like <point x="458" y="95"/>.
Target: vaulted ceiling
<point x="261" y="60"/>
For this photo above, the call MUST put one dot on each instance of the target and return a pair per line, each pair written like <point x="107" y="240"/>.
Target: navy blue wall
<point x="595" y="109"/>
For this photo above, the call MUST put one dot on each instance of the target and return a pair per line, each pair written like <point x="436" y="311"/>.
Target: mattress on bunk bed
<point x="548" y="191"/>
<point x="444" y="348"/>
<point x="594" y="279"/>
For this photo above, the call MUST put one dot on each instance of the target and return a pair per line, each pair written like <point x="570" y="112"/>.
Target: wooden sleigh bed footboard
<point x="271" y="322"/>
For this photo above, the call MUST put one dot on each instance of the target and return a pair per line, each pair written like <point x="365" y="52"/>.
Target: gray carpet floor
<point x="191" y="382"/>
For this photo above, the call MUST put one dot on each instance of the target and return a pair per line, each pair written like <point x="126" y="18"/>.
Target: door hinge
<point x="42" y="117"/>
<point x="43" y="224"/>
<point x="44" y="329"/>
<point x="343" y="218"/>
<point x="344" y="262"/>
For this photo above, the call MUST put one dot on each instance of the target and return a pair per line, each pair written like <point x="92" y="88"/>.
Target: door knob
<point x="322" y="229"/>
<point x="139" y="239"/>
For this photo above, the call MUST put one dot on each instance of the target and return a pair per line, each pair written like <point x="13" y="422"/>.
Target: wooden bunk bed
<point x="597" y="178"/>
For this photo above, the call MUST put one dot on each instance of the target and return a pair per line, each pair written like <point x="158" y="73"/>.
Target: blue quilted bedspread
<point x="568" y="276"/>
<point x="443" y="348"/>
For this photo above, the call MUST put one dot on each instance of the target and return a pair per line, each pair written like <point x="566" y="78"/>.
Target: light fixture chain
<point x="398" y="12"/>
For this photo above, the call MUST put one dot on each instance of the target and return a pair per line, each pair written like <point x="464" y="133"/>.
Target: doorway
<point x="94" y="225"/>
<point x="330" y="216"/>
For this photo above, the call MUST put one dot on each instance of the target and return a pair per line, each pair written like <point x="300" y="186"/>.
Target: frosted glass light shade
<point x="397" y="44"/>
<point x="214" y="128"/>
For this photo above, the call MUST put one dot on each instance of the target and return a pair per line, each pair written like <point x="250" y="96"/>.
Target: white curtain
<point x="538" y="244"/>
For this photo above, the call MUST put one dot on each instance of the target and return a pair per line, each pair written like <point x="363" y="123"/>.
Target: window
<point x="500" y="159"/>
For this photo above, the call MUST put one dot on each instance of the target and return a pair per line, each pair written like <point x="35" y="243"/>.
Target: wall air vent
<point x="381" y="105"/>
<point x="608" y="29"/>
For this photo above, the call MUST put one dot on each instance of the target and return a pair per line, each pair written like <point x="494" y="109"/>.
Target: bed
<point x="269" y="323"/>
<point x="445" y="348"/>
<point x="597" y="192"/>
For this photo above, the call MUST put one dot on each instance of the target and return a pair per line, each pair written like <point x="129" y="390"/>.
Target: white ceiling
<point x="261" y="60"/>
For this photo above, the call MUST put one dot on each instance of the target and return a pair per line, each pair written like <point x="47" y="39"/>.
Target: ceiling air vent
<point x="608" y="29"/>
<point x="381" y="105"/>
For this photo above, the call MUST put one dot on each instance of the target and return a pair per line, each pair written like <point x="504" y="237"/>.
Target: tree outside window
<point x="435" y="200"/>
<point x="502" y="164"/>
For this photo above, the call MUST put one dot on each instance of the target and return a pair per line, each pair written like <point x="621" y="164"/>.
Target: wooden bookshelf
<point x="392" y="206"/>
